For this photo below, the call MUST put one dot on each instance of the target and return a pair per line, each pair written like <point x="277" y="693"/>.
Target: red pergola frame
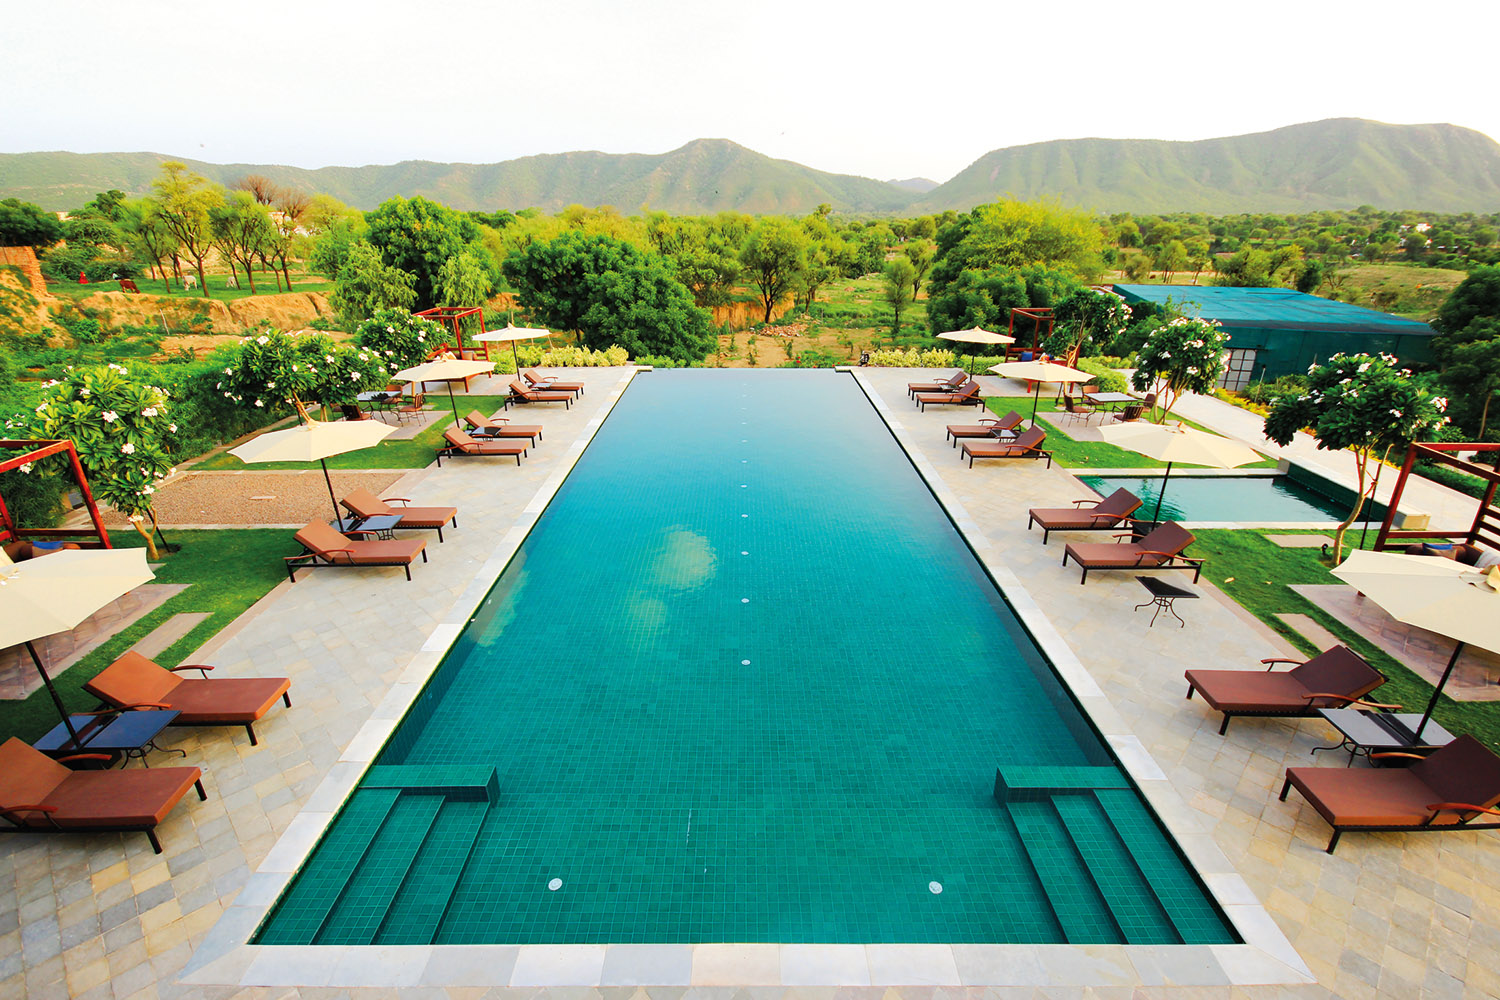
<point x="1038" y="316"/>
<point x="451" y="317"/>
<point x="38" y="449"/>
<point x="1485" y="530"/>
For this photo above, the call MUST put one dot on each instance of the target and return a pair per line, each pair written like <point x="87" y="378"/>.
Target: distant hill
<point x="1337" y="163"/>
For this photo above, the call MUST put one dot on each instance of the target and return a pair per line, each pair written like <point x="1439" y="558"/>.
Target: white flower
<point x="1441" y="402"/>
<point x="26" y="468"/>
<point x="390" y="329"/>
<point x="354" y="376"/>
<point x="128" y="448"/>
<point x="260" y="402"/>
<point x="134" y="518"/>
<point x="84" y="393"/>
<point x="270" y="385"/>
<point x="1192" y="370"/>
<point x="229" y="371"/>
<point x="172" y="428"/>
<point x="110" y="416"/>
<point x="149" y="411"/>
<point x="147" y="491"/>
<point x="328" y="358"/>
<point x="262" y="339"/>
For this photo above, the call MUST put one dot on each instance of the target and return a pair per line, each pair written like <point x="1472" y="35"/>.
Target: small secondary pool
<point x="1249" y="499"/>
<point x="744" y="681"/>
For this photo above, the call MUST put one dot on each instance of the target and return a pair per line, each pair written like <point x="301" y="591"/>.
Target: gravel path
<point x="255" y="498"/>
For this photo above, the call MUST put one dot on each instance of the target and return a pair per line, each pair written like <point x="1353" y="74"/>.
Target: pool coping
<point x="225" y="956"/>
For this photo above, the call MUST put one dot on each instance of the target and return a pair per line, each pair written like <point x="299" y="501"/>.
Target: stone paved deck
<point x="1388" y="916"/>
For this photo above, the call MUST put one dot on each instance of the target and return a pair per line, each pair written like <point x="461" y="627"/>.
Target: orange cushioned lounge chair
<point x="461" y="443"/>
<point x="323" y="546"/>
<point x="536" y="380"/>
<point x="363" y="504"/>
<point x="1445" y="791"/>
<point x="42" y="795"/>
<point x="133" y="681"/>
<point x="949" y="384"/>
<point x="965" y="395"/>
<point x="481" y="427"/>
<point x="1335" y="678"/>
<point x="1025" y="445"/>
<point x="988" y="427"/>
<point x="1160" y="549"/>
<point x="522" y="394"/>
<point x="1099" y="515"/>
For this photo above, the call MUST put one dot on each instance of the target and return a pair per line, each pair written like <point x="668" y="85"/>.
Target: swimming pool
<point x="1246" y="499"/>
<point x="744" y="682"/>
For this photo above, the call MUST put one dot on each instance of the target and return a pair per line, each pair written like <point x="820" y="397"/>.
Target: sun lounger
<point x="42" y="795"/>
<point x="965" y="395"/>
<point x="323" y="546"/>
<point x="1160" y="549"/>
<point x="1026" y="445"/>
<point x="1447" y="790"/>
<point x="536" y="380"/>
<point x="363" y="504"/>
<point x="481" y="427"/>
<point x="949" y="384"/>
<point x="1335" y="678"/>
<point x="1101" y="514"/>
<point x="521" y="394"/>
<point x="133" y="681"/>
<point x="460" y="443"/>
<point x="988" y="427"/>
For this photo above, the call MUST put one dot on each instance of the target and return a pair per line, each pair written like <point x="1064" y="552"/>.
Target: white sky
<point x="886" y="90"/>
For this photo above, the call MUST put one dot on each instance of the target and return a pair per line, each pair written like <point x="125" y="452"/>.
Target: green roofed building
<point x="1278" y="331"/>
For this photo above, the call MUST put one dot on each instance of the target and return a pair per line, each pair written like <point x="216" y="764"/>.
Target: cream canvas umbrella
<point x="1173" y="444"/>
<point x="1440" y="595"/>
<point x="53" y="593"/>
<point x="1039" y="372"/>
<point x="313" y="442"/>
<point x="446" y="370"/>
<point x="976" y="335"/>
<point x="510" y="334"/>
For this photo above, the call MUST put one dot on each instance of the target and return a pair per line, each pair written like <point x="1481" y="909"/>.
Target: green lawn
<point x="226" y="572"/>
<point x="412" y="453"/>
<point x="1259" y="575"/>
<point x="265" y="284"/>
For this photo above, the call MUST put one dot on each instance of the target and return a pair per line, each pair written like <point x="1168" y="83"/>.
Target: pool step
<point x="417" y="911"/>
<point x="1080" y="908"/>
<point x="1132" y="901"/>
<point x="362" y="906"/>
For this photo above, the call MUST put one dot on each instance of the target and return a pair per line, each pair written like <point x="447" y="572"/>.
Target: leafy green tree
<point x="1261" y="268"/>
<point x="611" y="292"/>
<point x="463" y="281"/>
<point x="274" y="368"/>
<point x="774" y="256"/>
<point x="1087" y="319"/>
<point x="291" y="207"/>
<point x="899" y="276"/>
<point x="23" y="224"/>
<point x="985" y="298"/>
<point x="923" y="227"/>
<point x="122" y="429"/>
<point x="419" y="236"/>
<point x="1182" y="355"/>
<point x="1311" y="277"/>
<point x="1137" y="267"/>
<point x="365" y="284"/>
<point x="184" y="202"/>
<point x="1017" y="234"/>
<point x="1473" y="376"/>
<point x="400" y="338"/>
<point x="242" y="229"/>
<point x="921" y="253"/>
<point x="1477" y="297"/>
<point x="1360" y="403"/>
<point x="332" y="247"/>
<point x="153" y="237"/>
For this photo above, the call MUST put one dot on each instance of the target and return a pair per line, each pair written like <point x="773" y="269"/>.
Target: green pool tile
<point x="1080" y="908"/>
<point x="419" y="906"/>
<point x="1132" y="903"/>
<point x="362" y="906"/>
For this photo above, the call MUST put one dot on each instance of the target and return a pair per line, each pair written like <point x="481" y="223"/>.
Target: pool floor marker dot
<point x="935" y="888"/>
<point x="744" y="600"/>
<point x="743" y="552"/>
<point x="744" y="663"/>
<point x="556" y="884"/>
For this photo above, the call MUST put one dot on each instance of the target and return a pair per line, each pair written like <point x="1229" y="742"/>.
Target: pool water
<point x="744" y="682"/>
<point x="1246" y="499"/>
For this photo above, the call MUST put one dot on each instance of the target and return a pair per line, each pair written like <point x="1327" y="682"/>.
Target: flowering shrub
<point x="402" y="339"/>
<point x="562" y="357"/>
<point x="1361" y="402"/>
<point x="121" y="428"/>
<point x="913" y="359"/>
<point x="275" y="368"/>
<point x="1182" y="355"/>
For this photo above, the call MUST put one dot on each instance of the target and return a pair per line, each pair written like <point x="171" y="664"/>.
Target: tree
<point x="419" y="236"/>
<point x="1473" y="374"/>
<point x="184" y="201"/>
<point x="1017" y="234"/>
<point x="1362" y="403"/>
<point x="365" y="284"/>
<point x="463" y="281"/>
<point x="775" y="254"/>
<point x="1477" y="297"/>
<point x="23" y="224"/>
<point x="899" y="275"/>
<point x="1087" y="319"/>
<point x="121" y="428"/>
<point x="1261" y="268"/>
<point x="274" y="367"/>
<point x="985" y="298"/>
<point x="400" y="338"/>
<point x="921" y="253"/>
<point x="292" y="207"/>
<point x="612" y="293"/>
<point x="1182" y="355"/>
<point x="242" y="229"/>
<point x="259" y="187"/>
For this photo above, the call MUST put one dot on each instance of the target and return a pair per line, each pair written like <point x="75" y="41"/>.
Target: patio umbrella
<point x="446" y="370"/>
<point x="1172" y="444"/>
<point x="1039" y="372"/>
<point x="53" y="593"/>
<point x="510" y="334"/>
<point x="1440" y="595"/>
<point x="314" y="441"/>
<point x="976" y="335"/>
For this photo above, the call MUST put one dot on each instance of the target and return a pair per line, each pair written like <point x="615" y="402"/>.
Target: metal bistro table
<point x="1364" y="732"/>
<point x="128" y="733"/>
<point x="1162" y="595"/>
<point x="382" y="525"/>
<point x="1109" y="399"/>
<point x="379" y="402"/>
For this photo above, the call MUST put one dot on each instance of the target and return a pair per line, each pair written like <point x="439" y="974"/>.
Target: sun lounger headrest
<point x="1121" y="503"/>
<point x="1463" y="771"/>
<point x="1339" y="670"/>
<point x="133" y="680"/>
<point x="321" y="537"/>
<point x="458" y="438"/>
<point x="1169" y="537"/>
<point x="366" y="504"/>
<point x="1030" y="438"/>
<point x="27" y="775"/>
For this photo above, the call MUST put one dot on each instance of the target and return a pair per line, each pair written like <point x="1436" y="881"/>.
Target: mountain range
<point x="1334" y="164"/>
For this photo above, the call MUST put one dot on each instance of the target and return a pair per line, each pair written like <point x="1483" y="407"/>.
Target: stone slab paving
<point x="1390" y="915"/>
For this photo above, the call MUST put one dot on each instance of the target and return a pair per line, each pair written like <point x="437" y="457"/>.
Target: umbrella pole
<point x="56" y="698"/>
<point x="329" y="480"/>
<point x="1036" y="399"/>
<point x="453" y="402"/>
<point x="516" y="356"/>
<point x="1431" y="705"/>
<point x="1156" y="514"/>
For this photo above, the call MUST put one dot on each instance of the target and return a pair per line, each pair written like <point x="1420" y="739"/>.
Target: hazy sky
<point x="887" y="90"/>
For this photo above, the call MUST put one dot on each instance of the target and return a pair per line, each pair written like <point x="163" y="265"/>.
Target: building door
<point x="1238" y="370"/>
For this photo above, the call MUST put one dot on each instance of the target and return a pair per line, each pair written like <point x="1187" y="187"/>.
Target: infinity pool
<point x="744" y="682"/>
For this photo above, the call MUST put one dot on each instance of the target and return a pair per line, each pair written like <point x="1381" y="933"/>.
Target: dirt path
<point x="255" y="498"/>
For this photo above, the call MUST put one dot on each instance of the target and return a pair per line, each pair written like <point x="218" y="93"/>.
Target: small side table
<point x="129" y="733"/>
<point x="1162" y="596"/>
<point x="1364" y="732"/>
